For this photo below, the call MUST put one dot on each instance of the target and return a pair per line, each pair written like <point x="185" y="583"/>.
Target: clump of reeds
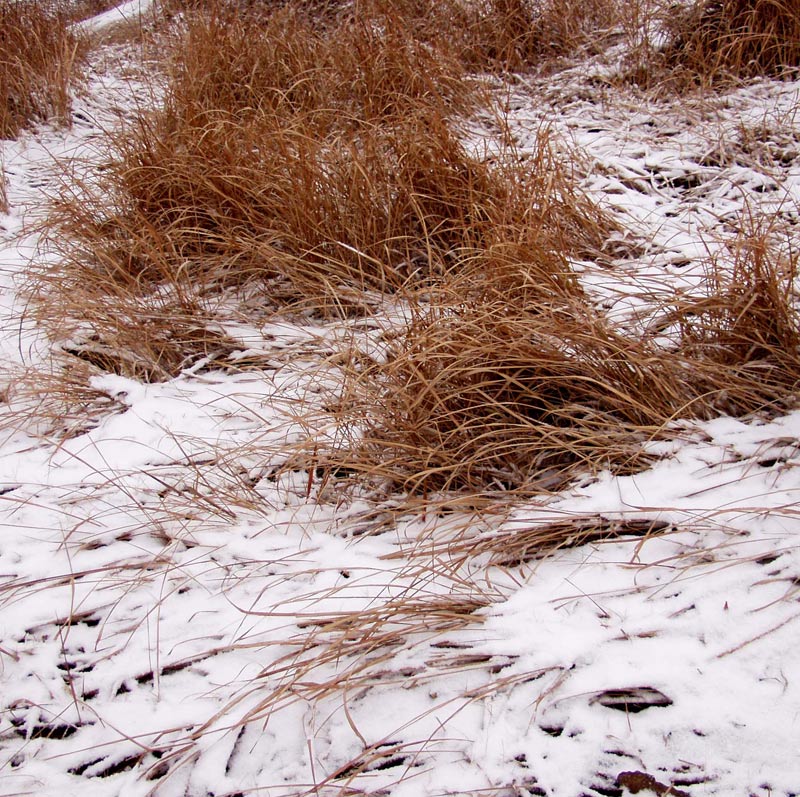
<point x="506" y="35"/>
<point x="736" y="37"/>
<point x="38" y="58"/>
<point x="284" y="156"/>
<point x="517" y="35"/>
<point x="510" y="379"/>
<point x="748" y="324"/>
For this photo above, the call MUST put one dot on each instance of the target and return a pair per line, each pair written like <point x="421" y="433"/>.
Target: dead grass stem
<point x="4" y="205"/>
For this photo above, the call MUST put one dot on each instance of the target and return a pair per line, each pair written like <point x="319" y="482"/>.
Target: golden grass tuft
<point x="508" y="378"/>
<point x="309" y="160"/>
<point x="38" y="61"/>
<point x="742" y="38"/>
<point x="505" y="390"/>
<point x="748" y="324"/>
<point x="519" y="35"/>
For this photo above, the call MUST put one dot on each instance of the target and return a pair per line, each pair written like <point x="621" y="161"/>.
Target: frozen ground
<point x="181" y="617"/>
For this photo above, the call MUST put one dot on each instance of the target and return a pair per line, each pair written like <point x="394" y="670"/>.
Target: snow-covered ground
<point x="179" y="617"/>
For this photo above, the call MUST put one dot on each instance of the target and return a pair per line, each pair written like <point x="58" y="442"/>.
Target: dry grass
<point x="304" y="157"/>
<point x="39" y="58"/>
<point x="58" y="404"/>
<point x="312" y="160"/>
<point x="748" y="325"/>
<point x="509" y="379"/>
<point x="504" y="36"/>
<point x="518" y="35"/>
<point x="510" y="390"/>
<point x="317" y="156"/>
<point x="736" y="37"/>
<point x="364" y="66"/>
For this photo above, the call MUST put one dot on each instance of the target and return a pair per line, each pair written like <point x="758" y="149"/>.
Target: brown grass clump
<point x="308" y="218"/>
<point x="289" y="155"/>
<point x="517" y="35"/>
<point x="509" y="390"/>
<point x="748" y="325"/>
<point x="359" y="68"/>
<point x="38" y="58"/>
<point x="505" y="35"/>
<point x="510" y="379"/>
<point x="736" y="37"/>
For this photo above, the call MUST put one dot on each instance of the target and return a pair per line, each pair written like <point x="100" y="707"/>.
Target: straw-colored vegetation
<point x="316" y="155"/>
<point x="315" y="158"/>
<point x="736" y="37"/>
<point x="508" y="381"/>
<point x="319" y="160"/>
<point x="39" y="54"/>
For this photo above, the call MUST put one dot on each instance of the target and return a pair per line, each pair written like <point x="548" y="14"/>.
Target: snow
<point x="124" y="12"/>
<point x="174" y="607"/>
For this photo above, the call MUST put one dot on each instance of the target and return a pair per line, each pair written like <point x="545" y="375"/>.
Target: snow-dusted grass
<point x="40" y="54"/>
<point x="201" y="595"/>
<point x="316" y="162"/>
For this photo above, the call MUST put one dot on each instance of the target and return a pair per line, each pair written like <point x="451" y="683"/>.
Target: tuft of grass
<point x="40" y="55"/>
<point x="308" y="219"/>
<point x="509" y="379"/>
<point x="503" y="36"/>
<point x="736" y="37"/>
<point x="519" y="35"/>
<point x="509" y="391"/>
<point x="748" y="324"/>
<point x="364" y="67"/>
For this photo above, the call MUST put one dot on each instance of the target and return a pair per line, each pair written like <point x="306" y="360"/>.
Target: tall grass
<point x="736" y="37"/>
<point x="518" y="35"/>
<point x="308" y="159"/>
<point x="316" y="158"/>
<point x="507" y="380"/>
<point x="39" y="54"/>
<point x="748" y="324"/>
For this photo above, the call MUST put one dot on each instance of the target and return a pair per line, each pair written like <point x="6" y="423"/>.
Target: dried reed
<point x="517" y="35"/>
